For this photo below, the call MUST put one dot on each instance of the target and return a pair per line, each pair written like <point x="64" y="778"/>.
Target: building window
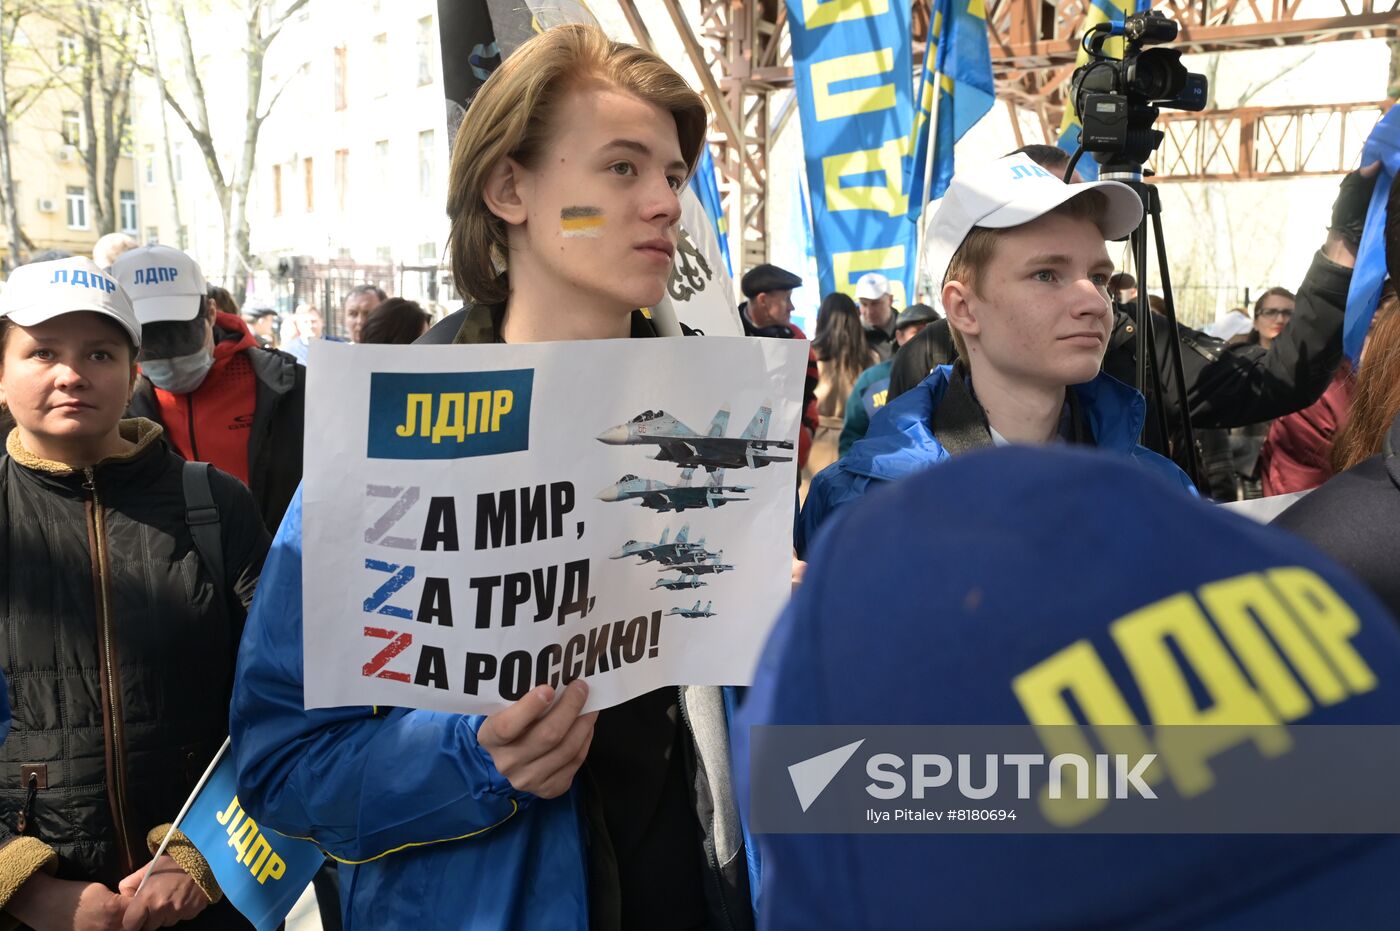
<point x="425" y="163"/>
<point x="384" y="255"/>
<point x="128" y="212"/>
<point x="428" y="253"/>
<point x="67" y="50"/>
<point x="148" y="164"/>
<point x="340" y="78"/>
<point x="308" y="169"/>
<point x="77" y="208"/>
<point x="342" y="177"/>
<point x="152" y="235"/>
<point x="426" y="37"/>
<point x="381" y="164"/>
<point x="177" y="159"/>
<point x="276" y="190"/>
<point x="379" y="64"/>
<point x="72" y="128"/>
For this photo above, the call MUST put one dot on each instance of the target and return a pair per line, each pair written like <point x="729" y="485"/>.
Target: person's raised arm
<point x="1243" y="385"/>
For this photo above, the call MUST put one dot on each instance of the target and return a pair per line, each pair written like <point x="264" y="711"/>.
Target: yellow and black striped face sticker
<point x="581" y="221"/>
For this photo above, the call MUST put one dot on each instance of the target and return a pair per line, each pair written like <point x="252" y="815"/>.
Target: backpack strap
<point x="202" y="517"/>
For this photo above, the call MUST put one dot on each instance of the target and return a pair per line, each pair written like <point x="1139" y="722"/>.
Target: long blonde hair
<point x="512" y="116"/>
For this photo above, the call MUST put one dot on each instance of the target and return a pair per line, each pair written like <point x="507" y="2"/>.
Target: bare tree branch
<point x="280" y="21"/>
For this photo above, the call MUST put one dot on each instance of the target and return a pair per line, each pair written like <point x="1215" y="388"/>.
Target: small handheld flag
<point x="261" y="872"/>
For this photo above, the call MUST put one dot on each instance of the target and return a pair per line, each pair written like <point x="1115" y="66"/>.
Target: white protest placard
<point x="481" y="519"/>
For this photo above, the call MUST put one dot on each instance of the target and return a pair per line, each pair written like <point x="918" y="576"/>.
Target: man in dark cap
<point x="767" y="307"/>
<point x="767" y="311"/>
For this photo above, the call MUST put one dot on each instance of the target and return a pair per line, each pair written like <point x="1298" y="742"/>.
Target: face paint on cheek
<point x="581" y="222"/>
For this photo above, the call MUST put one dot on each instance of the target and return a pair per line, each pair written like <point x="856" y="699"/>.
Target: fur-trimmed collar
<point x="136" y="430"/>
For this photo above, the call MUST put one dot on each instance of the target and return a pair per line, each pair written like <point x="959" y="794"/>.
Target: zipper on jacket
<point x="705" y="841"/>
<point x="194" y="444"/>
<point x="98" y="530"/>
<point x="27" y="812"/>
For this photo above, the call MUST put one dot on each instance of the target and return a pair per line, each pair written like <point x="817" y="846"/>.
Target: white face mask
<point x="179" y="375"/>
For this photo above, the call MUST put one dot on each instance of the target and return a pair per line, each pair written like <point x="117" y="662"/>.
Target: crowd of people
<point x="991" y="444"/>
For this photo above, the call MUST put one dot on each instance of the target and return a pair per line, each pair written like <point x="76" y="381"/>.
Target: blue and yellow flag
<point x="706" y="188"/>
<point x="1100" y="11"/>
<point x="261" y="872"/>
<point x="960" y="58"/>
<point x="852" y="67"/>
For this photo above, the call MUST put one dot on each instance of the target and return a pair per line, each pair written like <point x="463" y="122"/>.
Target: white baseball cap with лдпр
<point x="164" y="284"/>
<point x="41" y="291"/>
<point x="1013" y="191"/>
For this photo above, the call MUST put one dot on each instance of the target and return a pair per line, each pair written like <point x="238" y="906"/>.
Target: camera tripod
<point x="1149" y="379"/>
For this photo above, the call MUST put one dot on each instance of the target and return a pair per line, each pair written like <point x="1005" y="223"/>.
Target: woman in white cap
<point x="122" y="604"/>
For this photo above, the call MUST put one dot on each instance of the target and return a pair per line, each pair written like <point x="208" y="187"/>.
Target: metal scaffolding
<point x="742" y="54"/>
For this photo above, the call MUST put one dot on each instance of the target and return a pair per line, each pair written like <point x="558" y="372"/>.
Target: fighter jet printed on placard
<point x="681" y="445"/>
<point x="705" y="563"/>
<point x="694" y="612"/>
<point x="678" y="551"/>
<point x="676" y="584"/>
<point x="663" y="496"/>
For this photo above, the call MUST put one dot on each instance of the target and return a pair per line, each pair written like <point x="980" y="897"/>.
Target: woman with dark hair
<point x="1354" y="515"/>
<point x="1272" y="311"/>
<point x="842" y="354"/>
<point x="396" y="321"/>
<point x="121" y="625"/>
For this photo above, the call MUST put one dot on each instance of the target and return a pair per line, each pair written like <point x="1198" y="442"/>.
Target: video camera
<point x="1119" y="99"/>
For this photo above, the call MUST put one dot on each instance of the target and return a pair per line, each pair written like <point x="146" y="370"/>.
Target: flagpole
<point x="928" y="175"/>
<point x="175" y="825"/>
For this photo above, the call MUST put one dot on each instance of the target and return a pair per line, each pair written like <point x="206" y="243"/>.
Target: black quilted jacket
<point x="118" y="647"/>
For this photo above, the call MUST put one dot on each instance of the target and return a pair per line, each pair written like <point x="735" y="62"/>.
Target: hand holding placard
<point x="538" y="747"/>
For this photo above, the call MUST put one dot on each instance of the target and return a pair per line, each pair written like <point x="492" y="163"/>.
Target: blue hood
<point x="900" y="443"/>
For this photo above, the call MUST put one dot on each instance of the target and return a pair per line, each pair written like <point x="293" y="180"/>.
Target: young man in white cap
<point x="1025" y="275"/>
<point x="877" y="313"/>
<point x="220" y="397"/>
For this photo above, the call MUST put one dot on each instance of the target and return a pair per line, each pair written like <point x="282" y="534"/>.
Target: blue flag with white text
<point x="261" y="872"/>
<point x="1100" y="11"/>
<point x="959" y="63"/>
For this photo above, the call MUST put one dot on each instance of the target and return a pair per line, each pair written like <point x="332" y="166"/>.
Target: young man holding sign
<point x="564" y="205"/>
